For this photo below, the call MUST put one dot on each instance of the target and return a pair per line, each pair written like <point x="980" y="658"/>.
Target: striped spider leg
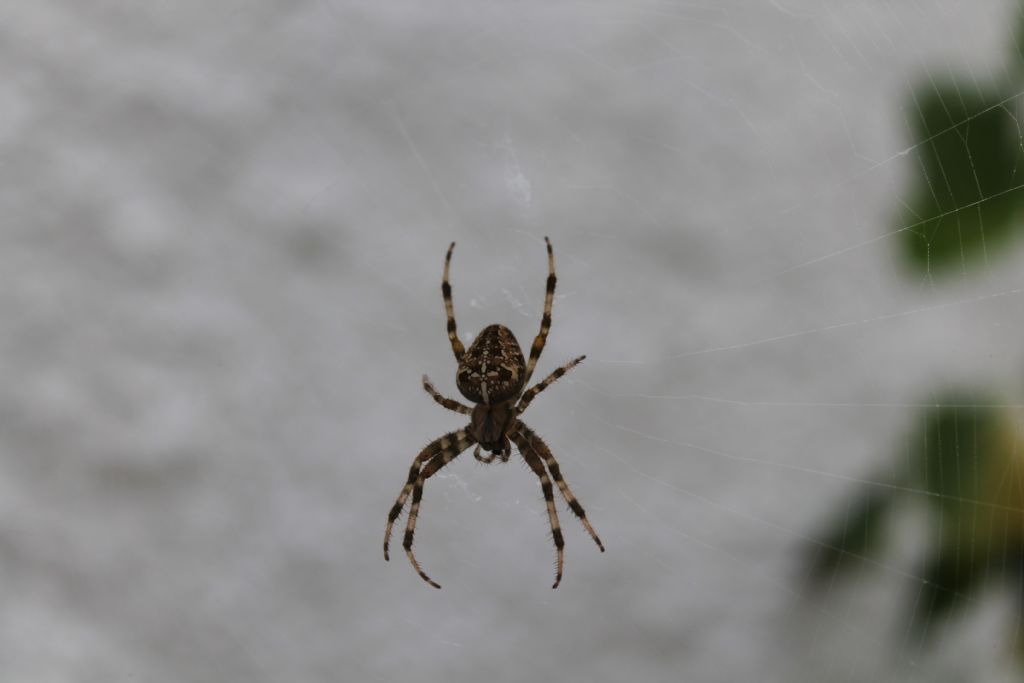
<point x="535" y="452"/>
<point x="447" y="447"/>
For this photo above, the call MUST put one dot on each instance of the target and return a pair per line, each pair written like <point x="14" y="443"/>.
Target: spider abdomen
<point x="493" y="368"/>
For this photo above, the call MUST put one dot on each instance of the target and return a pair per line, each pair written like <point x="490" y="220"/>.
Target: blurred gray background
<point x="223" y="232"/>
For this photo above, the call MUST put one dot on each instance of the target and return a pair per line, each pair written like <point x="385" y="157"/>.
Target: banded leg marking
<point x="445" y="443"/>
<point x="537" y="466"/>
<point x="446" y="292"/>
<point x="446" y="402"/>
<point x="431" y="468"/>
<point x="535" y="443"/>
<point x="545" y="321"/>
<point x="531" y="394"/>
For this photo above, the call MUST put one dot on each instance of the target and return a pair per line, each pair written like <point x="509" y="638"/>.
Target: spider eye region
<point x="493" y="367"/>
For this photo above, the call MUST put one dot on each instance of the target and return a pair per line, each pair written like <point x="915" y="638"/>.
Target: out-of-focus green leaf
<point x="953" y="574"/>
<point x="969" y="158"/>
<point x="956" y="445"/>
<point x="952" y="453"/>
<point x="851" y="535"/>
<point x="947" y="581"/>
<point x="964" y="462"/>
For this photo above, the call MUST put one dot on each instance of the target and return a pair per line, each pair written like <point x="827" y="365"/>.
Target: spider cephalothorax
<point x="492" y="373"/>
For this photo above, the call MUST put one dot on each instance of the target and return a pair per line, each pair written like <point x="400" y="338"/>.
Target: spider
<point x="492" y="374"/>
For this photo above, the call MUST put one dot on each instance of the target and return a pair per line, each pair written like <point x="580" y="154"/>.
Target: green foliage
<point x="851" y="537"/>
<point x="947" y="580"/>
<point x="966" y="199"/>
<point x="954" y="447"/>
<point x="965" y="459"/>
<point x="964" y="464"/>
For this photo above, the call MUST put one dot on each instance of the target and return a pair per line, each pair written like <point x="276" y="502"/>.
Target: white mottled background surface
<point x="223" y="227"/>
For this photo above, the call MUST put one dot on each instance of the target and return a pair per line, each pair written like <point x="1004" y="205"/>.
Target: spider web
<point x="799" y="330"/>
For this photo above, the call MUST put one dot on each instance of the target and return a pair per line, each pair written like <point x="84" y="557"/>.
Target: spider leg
<point x="531" y="394"/>
<point x="446" y="402"/>
<point x="446" y="291"/>
<point x="545" y="321"/>
<point x="431" y="468"/>
<point x="505" y="454"/>
<point x="532" y="442"/>
<point x="537" y="466"/>
<point x="485" y="459"/>
<point x="459" y="439"/>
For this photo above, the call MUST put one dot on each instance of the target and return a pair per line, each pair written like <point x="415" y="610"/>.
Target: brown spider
<point x="491" y="374"/>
